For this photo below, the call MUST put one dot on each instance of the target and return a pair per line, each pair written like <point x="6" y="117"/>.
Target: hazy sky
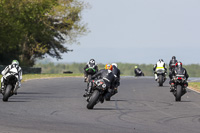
<point x="139" y="31"/>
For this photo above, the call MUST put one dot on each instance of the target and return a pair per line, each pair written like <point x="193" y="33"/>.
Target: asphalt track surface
<point x="57" y="106"/>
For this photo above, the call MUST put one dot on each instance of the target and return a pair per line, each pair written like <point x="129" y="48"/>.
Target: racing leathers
<point x="138" y="72"/>
<point x="89" y="65"/>
<point x="107" y="76"/>
<point x="7" y="71"/>
<point x="179" y="70"/>
<point x="172" y="63"/>
<point x="159" y="65"/>
<point x="116" y="73"/>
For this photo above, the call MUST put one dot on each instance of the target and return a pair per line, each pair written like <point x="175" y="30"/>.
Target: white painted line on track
<point x="193" y="90"/>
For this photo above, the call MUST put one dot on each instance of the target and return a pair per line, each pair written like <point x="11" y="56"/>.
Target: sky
<point x="139" y="31"/>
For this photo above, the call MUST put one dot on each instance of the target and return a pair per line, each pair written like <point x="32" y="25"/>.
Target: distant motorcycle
<point x="180" y="85"/>
<point x="11" y="84"/>
<point x="161" y="76"/>
<point x="98" y="89"/>
<point x="138" y="72"/>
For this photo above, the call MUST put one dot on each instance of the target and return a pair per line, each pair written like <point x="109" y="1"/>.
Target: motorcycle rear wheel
<point x="93" y="99"/>
<point x="7" y="93"/>
<point x="178" y="93"/>
<point x="160" y="80"/>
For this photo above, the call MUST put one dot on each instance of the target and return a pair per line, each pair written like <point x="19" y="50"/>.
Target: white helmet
<point x="114" y="64"/>
<point x="15" y="62"/>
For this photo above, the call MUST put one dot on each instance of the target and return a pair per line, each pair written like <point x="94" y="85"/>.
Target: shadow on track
<point x="118" y="100"/>
<point x="33" y="93"/>
<point x="17" y="101"/>
<point x="109" y="109"/>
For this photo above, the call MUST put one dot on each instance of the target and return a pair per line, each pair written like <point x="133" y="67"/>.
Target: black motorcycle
<point x="98" y="89"/>
<point x="161" y="76"/>
<point x="179" y="87"/>
<point x="11" y="84"/>
<point x="139" y="73"/>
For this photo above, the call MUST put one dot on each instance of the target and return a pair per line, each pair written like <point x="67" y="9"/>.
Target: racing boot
<point x="101" y="99"/>
<point x="15" y="91"/>
<point x="156" y="77"/>
<point x="86" y="94"/>
<point x="88" y="90"/>
<point x="185" y="86"/>
<point x="172" y="87"/>
<point x="85" y="79"/>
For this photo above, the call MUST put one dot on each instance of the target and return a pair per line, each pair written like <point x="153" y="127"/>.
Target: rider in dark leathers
<point x="105" y="74"/>
<point x="172" y="64"/>
<point x="179" y="70"/>
<point x="116" y="73"/>
<point x="138" y="71"/>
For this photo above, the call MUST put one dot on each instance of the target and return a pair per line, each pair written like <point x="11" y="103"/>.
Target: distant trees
<point x="30" y="29"/>
<point x="126" y="68"/>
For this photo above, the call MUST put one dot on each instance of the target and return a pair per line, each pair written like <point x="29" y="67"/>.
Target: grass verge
<point x="194" y="86"/>
<point x="41" y="76"/>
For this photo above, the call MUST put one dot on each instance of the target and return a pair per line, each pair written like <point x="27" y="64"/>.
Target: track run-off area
<point x="57" y="106"/>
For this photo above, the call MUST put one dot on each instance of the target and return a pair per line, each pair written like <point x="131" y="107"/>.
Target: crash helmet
<point x="15" y="62"/>
<point x="160" y="60"/>
<point x="109" y="67"/>
<point x="179" y="64"/>
<point x="136" y="67"/>
<point x="173" y="57"/>
<point x="114" y="64"/>
<point x="91" y="63"/>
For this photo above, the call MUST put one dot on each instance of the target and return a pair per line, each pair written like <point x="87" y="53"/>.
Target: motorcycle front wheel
<point x="93" y="99"/>
<point x="7" y="93"/>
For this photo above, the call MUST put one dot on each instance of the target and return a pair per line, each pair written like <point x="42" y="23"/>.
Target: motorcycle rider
<point x="116" y="73"/>
<point x="138" y="71"/>
<point x="6" y="73"/>
<point x="91" y="64"/>
<point x="172" y="64"/>
<point x="105" y="74"/>
<point x="179" y="70"/>
<point x="160" y="65"/>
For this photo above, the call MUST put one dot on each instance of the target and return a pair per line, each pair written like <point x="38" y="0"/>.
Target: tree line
<point x="32" y="29"/>
<point x="125" y="68"/>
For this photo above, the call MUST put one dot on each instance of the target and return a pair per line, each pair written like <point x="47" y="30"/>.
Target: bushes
<point x="126" y="68"/>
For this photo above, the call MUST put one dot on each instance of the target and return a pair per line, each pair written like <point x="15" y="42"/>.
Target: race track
<point x="57" y="106"/>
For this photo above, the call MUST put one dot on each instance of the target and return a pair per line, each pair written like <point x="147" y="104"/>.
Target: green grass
<point x="195" y="85"/>
<point x="40" y="76"/>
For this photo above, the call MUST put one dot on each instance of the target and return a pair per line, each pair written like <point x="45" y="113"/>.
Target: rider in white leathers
<point x="160" y="65"/>
<point x="6" y="72"/>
